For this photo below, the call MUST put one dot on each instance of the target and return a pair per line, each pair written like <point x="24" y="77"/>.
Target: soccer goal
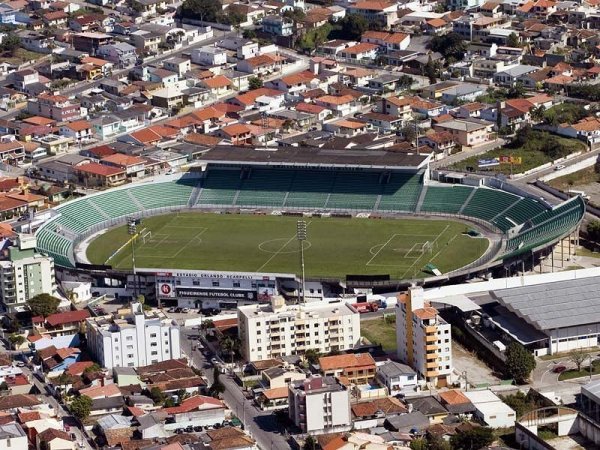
<point x="146" y="236"/>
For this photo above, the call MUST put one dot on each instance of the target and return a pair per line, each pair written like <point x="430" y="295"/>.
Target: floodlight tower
<point x="301" y="234"/>
<point x="132" y="231"/>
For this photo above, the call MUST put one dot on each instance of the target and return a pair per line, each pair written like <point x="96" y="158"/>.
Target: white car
<point x="559" y="167"/>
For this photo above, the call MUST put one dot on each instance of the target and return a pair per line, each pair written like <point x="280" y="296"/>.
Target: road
<point x="261" y="425"/>
<point x="449" y="160"/>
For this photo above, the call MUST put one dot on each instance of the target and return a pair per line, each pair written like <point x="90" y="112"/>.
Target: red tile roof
<point x="67" y="317"/>
<point x="193" y="403"/>
<point x="99" y="169"/>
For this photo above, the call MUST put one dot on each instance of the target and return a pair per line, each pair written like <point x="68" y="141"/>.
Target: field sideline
<point x="251" y="243"/>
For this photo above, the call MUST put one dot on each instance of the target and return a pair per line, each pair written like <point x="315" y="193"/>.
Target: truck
<point x="366" y="307"/>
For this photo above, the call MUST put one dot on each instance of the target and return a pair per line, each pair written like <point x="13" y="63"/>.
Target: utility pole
<point x="301" y="234"/>
<point x="132" y="231"/>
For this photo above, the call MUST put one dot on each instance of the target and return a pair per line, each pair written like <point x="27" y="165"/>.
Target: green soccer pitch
<point x="335" y="247"/>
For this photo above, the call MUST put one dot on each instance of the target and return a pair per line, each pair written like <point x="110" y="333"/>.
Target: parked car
<point x="559" y="369"/>
<point x="559" y="167"/>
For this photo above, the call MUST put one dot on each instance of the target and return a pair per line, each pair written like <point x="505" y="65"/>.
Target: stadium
<point x="379" y="214"/>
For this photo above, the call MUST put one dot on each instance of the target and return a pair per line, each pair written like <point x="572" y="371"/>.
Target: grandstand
<point x="376" y="182"/>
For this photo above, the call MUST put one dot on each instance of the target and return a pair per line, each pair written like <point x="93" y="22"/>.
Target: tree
<point x="409" y="132"/>
<point x="513" y="40"/>
<point x="43" y="305"/>
<point x="312" y="356"/>
<point x="255" y="83"/>
<point x="578" y="357"/>
<point x="217" y="387"/>
<point x="538" y="113"/>
<point x="10" y="43"/>
<point x="352" y="27"/>
<point x="157" y="396"/>
<point x="16" y="340"/>
<point x="203" y="10"/>
<point x="418" y="444"/>
<point x="473" y="439"/>
<point x="405" y="82"/>
<point x="429" y="71"/>
<point x="593" y="231"/>
<point x="249" y="34"/>
<point x="229" y="346"/>
<point x="3" y="386"/>
<point x="296" y="14"/>
<point x="206" y="324"/>
<point x="437" y="443"/>
<point x="310" y="443"/>
<point x="451" y="46"/>
<point x="519" y="362"/>
<point x="81" y="407"/>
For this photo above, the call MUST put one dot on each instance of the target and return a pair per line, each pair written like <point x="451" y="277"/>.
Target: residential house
<point x="209" y="56"/>
<point x="146" y="42"/>
<point x="56" y="107"/>
<point x="587" y="130"/>
<point x="199" y="410"/>
<point x="169" y="97"/>
<point x="121" y="54"/>
<point x="397" y="106"/>
<point x="36" y="42"/>
<point x="491" y="410"/>
<point x="384" y="122"/>
<point x="296" y="83"/>
<point x="61" y="323"/>
<point x="248" y="100"/>
<point x="90" y="42"/>
<point x="357" y="368"/>
<point x="510" y="75"/>
<point x="396" y="377"/>
<point x="388" y="41"/>
<point x="100" y="175"/>
<point x="238" y="134"/>
<point x="382" y="12"/>
<point x="278" y="25"/>
<point x="178" y="65"/>
<point x="134" y="166"/>
<point x="457" y="403"/>
<point x="56" y="19"/>
<point x="53" y="439"/>
<point x="218" y="86"/>
<point x="260" y="65"/>
<point x="442" y="142"/>
<point x="79" y="130"/>
<point x="341" y="105"/>
<point x="360" y="52"/>
<point x="467" y="132"/>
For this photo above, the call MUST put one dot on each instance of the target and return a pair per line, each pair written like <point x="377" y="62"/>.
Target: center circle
<point x="277" y="246"/>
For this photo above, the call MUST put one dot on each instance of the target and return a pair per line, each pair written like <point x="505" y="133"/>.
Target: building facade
<point x="319" y="405"/>
<point x="272" y="330"/>
<point x="25" y="274"/>
<point x="134" y="339"/>
<point x="423" y="338"/>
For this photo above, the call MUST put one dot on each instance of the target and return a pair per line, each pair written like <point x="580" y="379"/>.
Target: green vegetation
<point x="473" y="439"/>
<point x="314" y="37"/>
<point x="81" y="407"/>
<point x="452" y="46"/>
<point x="534" y="147"/>
<point x="584" y="372"/>
<point x="20" y="56"/>
<point x="519" y="362"/>
<point x="588" y="92"/>
<point x="521" y="403"/>
<point x="254" y="83"/>
<point x="43" y="305"/>
<point x="564" y="113"/>
<point x="209" y="11"/>
<point x="580" y="178"/>
<point x="335" y="246"/>
<point x="593" y="231"/>
<point x="380" y="331"/>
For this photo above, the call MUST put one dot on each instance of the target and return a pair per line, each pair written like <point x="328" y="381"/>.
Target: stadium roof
<point x="554" y="305"/>
<point x="314" y="157"/>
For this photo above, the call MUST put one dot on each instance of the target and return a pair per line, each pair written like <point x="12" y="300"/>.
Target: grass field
<point x="378" y="331"/>
<point x="335" y="247"/>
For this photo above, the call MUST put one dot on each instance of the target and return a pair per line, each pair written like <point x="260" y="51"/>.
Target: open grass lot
<point x="335" y="246"/>
<point x="379" y="331"/>
<point x="579" y="178"/>
<point x="22" y="56"/>
<point x="529" y="158"/>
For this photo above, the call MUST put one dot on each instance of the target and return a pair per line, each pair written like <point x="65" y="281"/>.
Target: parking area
<point x="467" y="364"/>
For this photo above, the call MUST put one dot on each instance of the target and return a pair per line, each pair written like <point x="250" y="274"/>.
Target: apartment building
<point x="133" y="338"/>
<point x="276" y="329"/>
<point x="423" y="337"/>
<point x="319" y="405"/>
<point x="25" y="274"/>
<point x="357" y="368"/>
<point x="381" y="12"/>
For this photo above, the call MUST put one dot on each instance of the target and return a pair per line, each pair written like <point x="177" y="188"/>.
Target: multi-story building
<point x="276" y="329"/>
<point x="319" y="405"/>
<point x="381" y="12"/>
<point x="423" y="337"/>
<point x="55" y="107"/>
<point x="25" y="274"/>
<point x="358" y="368"/>
<point x="136" y="338"/>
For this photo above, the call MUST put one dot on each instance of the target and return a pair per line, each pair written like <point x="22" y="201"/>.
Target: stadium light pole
<point x="132" y="230"/>
<point x="301" y="236"/>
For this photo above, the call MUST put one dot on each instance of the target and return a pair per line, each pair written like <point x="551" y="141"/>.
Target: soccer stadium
<point x="367" y="212"/>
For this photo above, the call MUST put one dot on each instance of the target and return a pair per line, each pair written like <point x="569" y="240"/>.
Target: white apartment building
<point x="423" y="337"/>
<point x="25" y="274"/>
<point x="276" y="329"/>
<point x="137" y="338"/>
<point x="319" y="405"/>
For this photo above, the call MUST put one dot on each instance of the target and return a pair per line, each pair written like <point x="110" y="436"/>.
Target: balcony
<point x="431" y="329"/>
<point x="431" y="347"/>
<point x="431" y="364"/>
<point x="431" y="338"/>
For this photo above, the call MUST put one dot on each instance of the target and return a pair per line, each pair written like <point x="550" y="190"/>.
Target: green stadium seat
<point x="160" y="195"/>
<point x="309" y="189"/>
<point x="220" y="187"/>
<point x="354" y="191"/>
<point x="487" y="203"/>
<point x="265" y="187"/>
<point x="401" y="193"/>
<point x="443" y="199"/>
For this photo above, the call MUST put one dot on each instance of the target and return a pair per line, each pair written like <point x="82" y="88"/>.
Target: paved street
<point x="449" y="160"/>
<point x="261" y="425"/>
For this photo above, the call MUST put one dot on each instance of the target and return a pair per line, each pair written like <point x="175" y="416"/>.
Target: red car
<point x="559" y="369"/>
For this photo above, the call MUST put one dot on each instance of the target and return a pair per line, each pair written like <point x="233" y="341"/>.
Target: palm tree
<point x="229" y="346"/>
<point x="538" y="112"/>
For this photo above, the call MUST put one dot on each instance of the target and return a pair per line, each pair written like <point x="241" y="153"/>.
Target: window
<point x="154" y="353"/>
<point x="129" y="338"/>
<point x="236" y="284"/>
<point x="215" y="284"/>
<point x="130" y="355"/>
<point x="196" y="283"/>
<point x="153" y="335"/>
